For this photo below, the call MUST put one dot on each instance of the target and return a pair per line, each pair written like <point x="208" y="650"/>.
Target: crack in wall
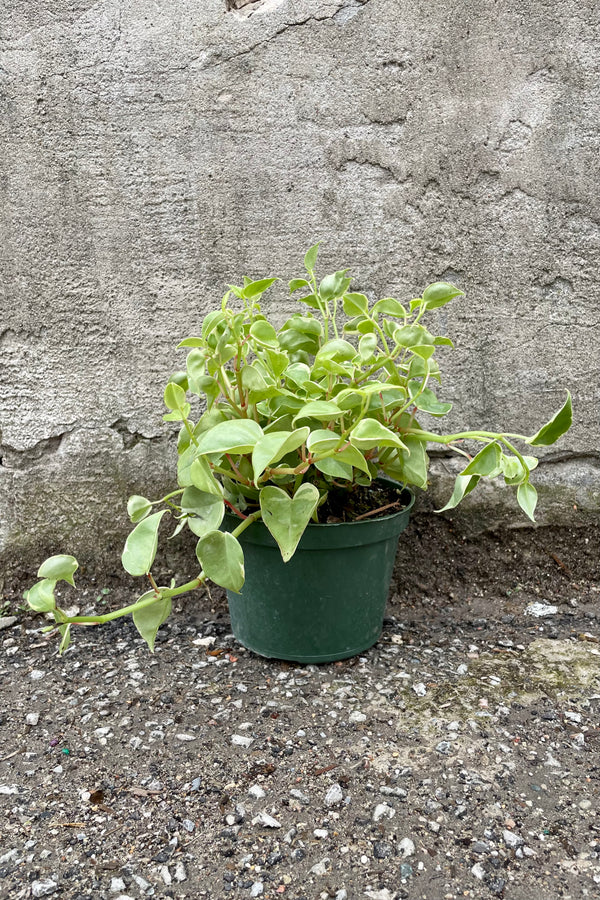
<point x="130" y="437"/>
<point x="11" y="458"/>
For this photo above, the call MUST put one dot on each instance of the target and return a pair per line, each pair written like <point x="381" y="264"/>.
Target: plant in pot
<point x="297" y="451"/>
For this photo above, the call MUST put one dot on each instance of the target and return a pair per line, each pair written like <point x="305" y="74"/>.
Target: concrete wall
<point x="152" y="151"/>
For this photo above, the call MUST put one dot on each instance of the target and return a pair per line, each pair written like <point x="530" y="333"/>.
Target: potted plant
<point x="297" y="451"/>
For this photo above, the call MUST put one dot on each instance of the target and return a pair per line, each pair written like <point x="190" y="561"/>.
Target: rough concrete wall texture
<point x="153" y="151"/>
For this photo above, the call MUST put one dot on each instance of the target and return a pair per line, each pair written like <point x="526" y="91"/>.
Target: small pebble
<point x="406" y="847"/>
<point x="320" y="868"/>
<point x="256" y="791"/>
<point x="383" y="811"/>
<point x="356" y="716"/>
<point x="266" y="820"/>
<point x="334" y="795"/>
<point x="539" y="610"/>
<point x="32" y="718"/>
<point x="180" y="873"/>
<point x="511" y="839"/>
<point x="43" y="888"/>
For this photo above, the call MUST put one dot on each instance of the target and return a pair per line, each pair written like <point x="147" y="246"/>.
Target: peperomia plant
<point x="275" y="419"/>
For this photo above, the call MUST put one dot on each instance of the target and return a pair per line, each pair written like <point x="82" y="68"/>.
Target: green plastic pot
<point x="328" y="601"/>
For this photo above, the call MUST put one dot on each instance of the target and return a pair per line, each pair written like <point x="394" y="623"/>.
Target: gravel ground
<point x="457" y="758"/>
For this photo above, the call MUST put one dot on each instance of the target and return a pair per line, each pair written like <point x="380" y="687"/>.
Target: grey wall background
<point x="152" y="151"/>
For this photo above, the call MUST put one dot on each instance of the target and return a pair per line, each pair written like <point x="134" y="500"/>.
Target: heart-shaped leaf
<point x="41" y="596"/>
<point x="138" y="508"/>
<point x="59" y="568"/>
<point x="141" y="545"/>
<point x="287" y="517"/>
<point x="148" y="619"/>
<point x="222" y="559"/>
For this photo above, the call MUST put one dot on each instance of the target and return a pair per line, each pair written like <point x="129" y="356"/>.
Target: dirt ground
<point x="459" y="757"/>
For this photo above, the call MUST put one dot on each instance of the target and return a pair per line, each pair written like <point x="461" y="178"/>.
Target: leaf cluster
<point x="273" y="418"/>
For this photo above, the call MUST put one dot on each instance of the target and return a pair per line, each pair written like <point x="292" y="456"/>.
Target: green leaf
<point x="370" y="433"/>
<point x="353" y="457"/>
<point x="203" y="479"/>
<point x="212" y="322"/>
<point x="141" y="545"/>
<point x="264" y="334"/>
<point x="367" y="347"/>
<point x="487" y="462"/>
<point x="174" y="396"/>
<point x="556" y="427"/>
<point x="298" y="373"/>
<point x="297" y="283"/>
<point x="443" y="342"/>
<point x="41" y="596"/>
<point x="311" y="300"/>
<point x="232" y="436"/>
<point x="427" y="401"/>
<point x="336" y="349"/>
<point x="275" y="361"/>
<point x="439" y="294"/>
<point x="59" y="568"/>
<point x="334" y="467"/>
<point x="323" y="410"/>
<point x="222" y="559"/>
<point x="463" y="485"/>
<point x="322" y="439"/>
<point x="254" y="288"/>
<point x="191" y="342"/>
<point x="356" y="304"/>
<point x="425" y="351"/>
<point x="412" y="464"/>
<point x="252" y="379"/>
<point x="310" y="258"/>
<point x="334" y="285"/>
<point x="287" y="518"/>
<point x="148" y="619"/>
<point x="527" y="497"/>
<point x="138" y="508"/>
<point x="274" y="446"/>
<point x="514" y="472"/>
<point x="389" y="307"/>
<point x="412" y="336"/>
<point x="206" y="510"/>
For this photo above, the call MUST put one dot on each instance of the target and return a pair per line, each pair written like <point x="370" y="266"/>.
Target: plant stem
<point x="460" y="436"/>
<point x="162" y="593"/>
